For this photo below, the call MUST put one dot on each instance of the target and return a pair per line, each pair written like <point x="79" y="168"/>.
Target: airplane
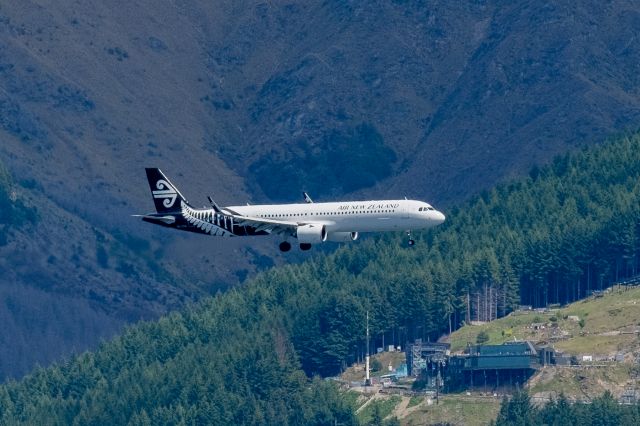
<point x="309" y="223"/>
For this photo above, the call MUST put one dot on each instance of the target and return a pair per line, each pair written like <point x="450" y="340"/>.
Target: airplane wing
<point x="226" y="218"/>
<point x="269" y="225"/>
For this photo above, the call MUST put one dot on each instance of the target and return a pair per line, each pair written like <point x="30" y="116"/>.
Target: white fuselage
<point x="309" y="223"/>
<point x="351" y="216"/>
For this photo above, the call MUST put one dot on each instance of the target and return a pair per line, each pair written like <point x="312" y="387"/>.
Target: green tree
<point x="517" y="411"/>
<point x="558" y="412"/>
<point x="483" y="337"/>
<point x="605" y="410"/>
<point x="377" y="419"/>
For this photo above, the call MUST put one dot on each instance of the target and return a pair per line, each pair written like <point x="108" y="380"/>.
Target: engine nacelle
<point x="311" y="234"/>
<point x="342" y="237"/>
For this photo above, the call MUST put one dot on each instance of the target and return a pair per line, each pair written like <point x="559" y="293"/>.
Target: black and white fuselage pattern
<point x="208" y="221"/>
<point x="355" y="216"/>
<point x="309" y="223"/>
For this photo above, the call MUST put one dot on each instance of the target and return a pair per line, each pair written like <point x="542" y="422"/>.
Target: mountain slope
<point x="84" y="291"/>
<point x="239" y="357"/>
<point x="254" y="101"/>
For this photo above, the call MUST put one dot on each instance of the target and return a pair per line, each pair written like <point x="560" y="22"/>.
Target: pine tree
<point x="517" y="411"/>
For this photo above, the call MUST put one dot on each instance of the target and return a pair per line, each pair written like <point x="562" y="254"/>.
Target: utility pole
<point x="367" y="380"/>
<point x="438" y="384"/>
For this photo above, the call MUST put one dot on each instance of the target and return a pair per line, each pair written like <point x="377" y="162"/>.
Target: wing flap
<point x="280" y="227"/>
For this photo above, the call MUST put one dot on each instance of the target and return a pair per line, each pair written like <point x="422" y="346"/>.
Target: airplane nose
<point x="439" y="217"/>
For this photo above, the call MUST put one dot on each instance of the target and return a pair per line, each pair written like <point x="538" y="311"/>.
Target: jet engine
<point x="342" y="237"/>
<point x="310" y="234"/>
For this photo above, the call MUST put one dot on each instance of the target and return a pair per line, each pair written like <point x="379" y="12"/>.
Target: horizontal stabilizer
<point x="161" y="220"/>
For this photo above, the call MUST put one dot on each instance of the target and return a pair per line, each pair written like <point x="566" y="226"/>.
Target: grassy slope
<point x="455" y="409"/>
<point x="581" y="383"/>
<point x="616" y="311"/>
<point x="385" y="405"/>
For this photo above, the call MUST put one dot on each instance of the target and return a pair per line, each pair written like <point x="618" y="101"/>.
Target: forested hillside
<point x="252" y="101"/>
<point x="569" y="228"/>
<point x="237" y="357"/>
<point x="602" y="411"/>
<point x="228" y="362"/>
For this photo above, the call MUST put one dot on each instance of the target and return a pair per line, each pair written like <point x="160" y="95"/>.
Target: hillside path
<point x="402" y="410"/>
<point x="374" y="397"/>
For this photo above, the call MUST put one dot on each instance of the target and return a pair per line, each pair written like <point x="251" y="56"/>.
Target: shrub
<point x="376" y="365"/>
<point x="483" y="337"/>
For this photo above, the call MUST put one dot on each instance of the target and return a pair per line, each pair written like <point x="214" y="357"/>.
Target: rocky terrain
<point x="253" y="101"/>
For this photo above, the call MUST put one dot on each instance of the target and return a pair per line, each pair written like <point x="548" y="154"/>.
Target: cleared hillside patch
<point x="455" y="409"/>
<point x="609" y="325"/>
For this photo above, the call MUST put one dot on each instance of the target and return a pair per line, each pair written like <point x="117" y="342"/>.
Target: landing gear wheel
<point x="411" y="242"/>
<point x="285" y="246"/>
<point x="305" y="246"/>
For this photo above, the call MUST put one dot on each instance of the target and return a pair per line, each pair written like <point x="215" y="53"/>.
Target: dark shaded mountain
<point x="62" y="295"/>
<point x="241" y="357"/>
<point x="255" y="101"/>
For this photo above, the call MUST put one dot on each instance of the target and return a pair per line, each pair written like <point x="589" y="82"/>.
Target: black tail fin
<point x="166" y="196"/>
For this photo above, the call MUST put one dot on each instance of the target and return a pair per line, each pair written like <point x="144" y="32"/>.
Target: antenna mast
<point x="367" y="380"/>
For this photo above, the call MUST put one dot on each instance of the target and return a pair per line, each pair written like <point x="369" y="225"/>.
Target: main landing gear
<point x="411" y="241"/>
<point x="285" y="246"/>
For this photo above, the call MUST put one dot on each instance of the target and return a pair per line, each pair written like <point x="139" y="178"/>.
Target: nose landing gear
<point x="411" y="241"/>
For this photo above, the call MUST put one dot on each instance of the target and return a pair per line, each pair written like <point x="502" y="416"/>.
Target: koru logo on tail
<point x="166" y="191"/>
